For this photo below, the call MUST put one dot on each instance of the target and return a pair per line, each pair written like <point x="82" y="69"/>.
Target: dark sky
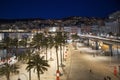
<point x="57" y="8"/>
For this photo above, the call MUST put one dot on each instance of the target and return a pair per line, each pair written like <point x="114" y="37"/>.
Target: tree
<point x="37" y="41"/>
<point x="61" y="42"/>
<point x="25" y="56"/>
<point x="38" y="64"/>
<point x="57" y="41"/>
<point x="7" y="69"/>
<point x="64" y="41"/>
<point x="23" y="42"/>
<point x="118" y="35"/>
<point x="51" y="44"/>
<point x="110" y="33"/>
<point x="14" y="43"/>
<point x="7" y="44"/>
<point x="75" y="37"/>
<point x="45" y="44"/>
<point x="36" y="44"/>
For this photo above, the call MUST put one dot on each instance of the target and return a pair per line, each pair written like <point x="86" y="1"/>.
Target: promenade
<point x="85" y="59"/>
<point x="77" y="66"/>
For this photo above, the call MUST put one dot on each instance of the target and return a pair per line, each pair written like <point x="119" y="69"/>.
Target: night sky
<point x="12" y="9"/>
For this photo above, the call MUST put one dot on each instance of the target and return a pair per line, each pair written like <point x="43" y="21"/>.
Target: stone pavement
<point x="48" y="75"/>
<point x="106" y="61"/>
<point x="100" y="64"/>
<point x="65" y="71"/>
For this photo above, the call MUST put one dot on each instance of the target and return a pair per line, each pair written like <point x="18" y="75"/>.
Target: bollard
<point x="57" y="75"/>
<point x="115" y="71"/>
<point x="119" y="69"/>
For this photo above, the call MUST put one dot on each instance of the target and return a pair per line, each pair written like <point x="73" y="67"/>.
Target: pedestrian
<point x="108" y="77"/>
<point x="90" y="71"/>
<point x="80" y="51"/>
<point x="105" y="78"/>
<point x="93" y="54"/>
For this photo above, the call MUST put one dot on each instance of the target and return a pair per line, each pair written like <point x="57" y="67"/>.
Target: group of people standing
<point x="107" y="78"/>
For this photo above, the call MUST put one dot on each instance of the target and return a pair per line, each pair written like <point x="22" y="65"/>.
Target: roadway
<point x="81" y="63"/>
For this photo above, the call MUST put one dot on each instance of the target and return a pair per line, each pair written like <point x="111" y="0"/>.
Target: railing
<point x="100" y="38"/>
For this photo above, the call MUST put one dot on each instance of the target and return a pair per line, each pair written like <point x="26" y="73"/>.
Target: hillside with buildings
<point x="86" y="25"/>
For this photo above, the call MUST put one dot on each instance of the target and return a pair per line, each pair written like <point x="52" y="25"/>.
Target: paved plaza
<point x="80" y="64"/>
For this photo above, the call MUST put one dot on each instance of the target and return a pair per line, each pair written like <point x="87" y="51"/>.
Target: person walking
<point x="105" y="78"/>
<point x="108" y="78"/>
<point x="80" y="51"/>
<point x="19" y="79"/>
<point x="90" y="70"/>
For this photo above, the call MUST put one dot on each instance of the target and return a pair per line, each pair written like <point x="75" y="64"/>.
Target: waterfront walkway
<point x="77" y="66"/>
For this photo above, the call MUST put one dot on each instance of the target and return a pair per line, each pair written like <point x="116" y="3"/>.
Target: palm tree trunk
<point x="51" y="55"/>
<point x="63" y="51"/>
<point x="40" y="51"/>
<point x="38" y="74"/>
<point x="7" y="54"/>
<point x="57" y="59"/>
<point x="61" y="55"/>
<point x="29" y="58"/>
<point x="30" y="69"/>
<point x="30" y="75"/>
<point x="17" y="50"/>
<point x="8" y="76"/>
<point x="46" y="54"/>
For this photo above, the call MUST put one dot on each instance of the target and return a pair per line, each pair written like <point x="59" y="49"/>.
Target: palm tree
<point x="14" y="43"/>
<point x="37" y="41"/>
<point x="61" y="41"/>
<point x="7" y="69"/>
<point x="59" y="34"/>
<point x="25" y="56"/>
<point x="7" y="44"/>
<point x="38" y="64"/>
<point x="64" y="41"/>
<point x="35" y="44"/>
<point x="56" y="44"/>
<point x="51" y="44"/>
<point x="45" y="44"/>
<point x="23" y="42"/>
<point x="75" y="37"/>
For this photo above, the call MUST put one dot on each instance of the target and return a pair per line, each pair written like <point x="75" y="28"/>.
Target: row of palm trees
<point x="34" y="60"/>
